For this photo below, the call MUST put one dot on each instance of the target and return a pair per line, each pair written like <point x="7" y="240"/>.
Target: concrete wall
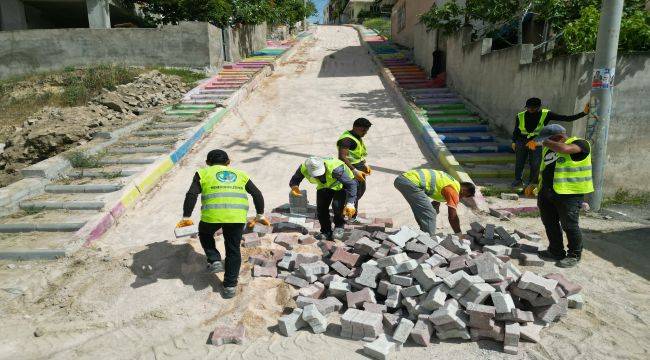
<point x="244" y="39"/>
<point x="423" y="47"/>
<point x="413" y="10"/>
<point x="497" y="84"/>
<point x="185" y="45"/>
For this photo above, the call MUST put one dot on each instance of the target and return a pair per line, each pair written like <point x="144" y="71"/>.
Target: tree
<point x="446" y="17"/>
<point x="216" y="12"/>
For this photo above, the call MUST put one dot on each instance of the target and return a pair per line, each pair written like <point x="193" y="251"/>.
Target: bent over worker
<point x="352" y="151"/>
<point x="224" y="205"/>
<point x="335" y="185"/>
<point x="564" y="181"/>
<point x="425" y="189"/>
<point x="528" y="124"/>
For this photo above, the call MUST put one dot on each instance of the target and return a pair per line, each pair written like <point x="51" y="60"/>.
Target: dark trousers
<point x="232" y="234"/>
<point x="534" y="157"/>
<point x="325" y="197"/>
<point x="361" y="185"/>
<point x="561" y="212"/>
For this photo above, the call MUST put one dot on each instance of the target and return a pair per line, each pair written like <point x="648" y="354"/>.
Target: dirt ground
<point x="141" y="294"/>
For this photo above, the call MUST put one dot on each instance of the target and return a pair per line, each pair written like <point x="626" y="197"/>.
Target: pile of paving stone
<point x="397" y="285"/>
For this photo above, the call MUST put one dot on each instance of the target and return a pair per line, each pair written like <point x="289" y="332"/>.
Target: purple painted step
<point x="438" y="101"/>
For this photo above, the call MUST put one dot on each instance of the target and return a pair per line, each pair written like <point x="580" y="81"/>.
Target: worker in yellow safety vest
<point x="528" y="124"/>
<point x="352" y="151"/>
<point x="564" y="180"/>
<point x="425" y="189"/>
<point x="335" y="186"/>
<point x="224" y="205"/>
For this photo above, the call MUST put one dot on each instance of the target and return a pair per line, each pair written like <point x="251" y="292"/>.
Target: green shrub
<point x="380" y="25"/>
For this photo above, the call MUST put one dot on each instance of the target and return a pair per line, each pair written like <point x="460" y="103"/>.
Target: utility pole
<point x="601" y="92"/>
<point x="304" y="21"/>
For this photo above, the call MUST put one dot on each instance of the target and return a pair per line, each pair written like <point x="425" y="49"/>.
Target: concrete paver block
<point x="228" y="335"/>
<point x="403" y="330"/>
<point x="317" y="321"/>
<point x="289" y="324"/>
<point x="380" y="348"/>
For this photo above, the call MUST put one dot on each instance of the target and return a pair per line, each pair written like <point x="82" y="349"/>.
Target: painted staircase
<point x="488" y="159"/>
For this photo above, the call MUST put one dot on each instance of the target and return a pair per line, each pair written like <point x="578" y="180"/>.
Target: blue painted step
<point x="473" y="148"/>
<point x="467" y="138"/>
<point x="460" y="129"/>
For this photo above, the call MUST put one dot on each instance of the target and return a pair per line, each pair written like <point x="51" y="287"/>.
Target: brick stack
<point x="397" y="285"/>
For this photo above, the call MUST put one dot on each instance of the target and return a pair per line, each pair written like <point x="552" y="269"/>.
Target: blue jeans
<point x="534" y="157"/>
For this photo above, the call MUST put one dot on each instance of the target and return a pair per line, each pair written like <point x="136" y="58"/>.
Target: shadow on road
<point x="349" y="61"/>
<point x="375" y="102"/>
<point x="164" y="260"/>
<point x="629" y="249"/>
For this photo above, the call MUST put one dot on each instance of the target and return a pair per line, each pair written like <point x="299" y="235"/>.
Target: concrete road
<point x="140" y="294"/>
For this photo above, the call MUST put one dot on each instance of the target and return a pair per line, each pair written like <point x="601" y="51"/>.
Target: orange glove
<point x="259" y="219"/>
<point x="295" y="191"/>
<point x="185" y="222"/>
<point x="349" y="211"/>
<point x="532" y="145"/>
<point x="359" y="175"/>
<point x="368" y="170"/>
<point x="513" y="146"/>
<point x="587" y="108"/>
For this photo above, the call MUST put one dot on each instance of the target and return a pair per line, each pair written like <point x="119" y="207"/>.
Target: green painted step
<point x="443" y="106"/>
<point x="452" y="119"/>
<point x="489" y="172"/>
<point x="183" y="112"/>
<point x="485" y="159"/>
<point x="192" y="106"/>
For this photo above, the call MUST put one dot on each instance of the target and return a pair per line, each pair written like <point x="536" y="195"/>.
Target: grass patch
<point x="21" y="97"/>
<point x="80" y="160"/>
<point x="380" y="25"/>
<point x="187" y="76"/>
<point x="624" y="197"/>
<point x="495" y="191"/>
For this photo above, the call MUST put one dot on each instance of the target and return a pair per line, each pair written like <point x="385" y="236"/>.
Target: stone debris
<point x="395" y="286"/>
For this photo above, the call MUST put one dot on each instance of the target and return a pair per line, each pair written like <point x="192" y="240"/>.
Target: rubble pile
<point x="148" y="90"/>
<point x="53" y="130"/>
<point x="392" y="285"/>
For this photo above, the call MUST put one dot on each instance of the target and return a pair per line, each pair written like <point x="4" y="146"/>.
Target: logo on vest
<point x="226" y="176"/>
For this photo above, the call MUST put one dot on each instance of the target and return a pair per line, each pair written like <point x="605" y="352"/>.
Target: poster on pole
<point x="602" y="79"/>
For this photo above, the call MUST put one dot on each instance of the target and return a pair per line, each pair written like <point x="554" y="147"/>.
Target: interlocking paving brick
<point x="289" y="324"/>
<point x="380" y="348"/>
<point x="502" y="302"/>
<point x="265" y="271"/>
<point x="296" y="281"/>
<point x="228" y="335"/>
<point x="369" y="273"/>
<point x="576" y="301"/>
<point x="426" y="277"/>
<point x="422" y="332"/>
<point x="347" y="258"/>
<point x="357" y="298"/>
<point x="251" y="240"/>
<point x="567" y="286"/>
<point x="402" y="236"/>
<point x="533" y="282"/>
<point x="403" y="330"/>
<point x="314" y="290"/>
<point x="317" y="321"/>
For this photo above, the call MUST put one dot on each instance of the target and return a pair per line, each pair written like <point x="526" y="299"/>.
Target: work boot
<point x="548" y="255"/>
<point x="338" y="233"/>
<point x="216" y="267"/>
<point x="568" y="262"/>
<point x="229" y="292"/>
<point x="323" y="236"/>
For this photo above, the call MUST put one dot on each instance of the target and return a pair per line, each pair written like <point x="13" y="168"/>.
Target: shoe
<point x="338" y="233"/>
<point x="216" y="267"/>
<point x="547" y="255"/>
<point x="229" y="292"/>
<point x="517" y="183"/>
<point x="324" y="236"/>
<point x="568" y="262"/>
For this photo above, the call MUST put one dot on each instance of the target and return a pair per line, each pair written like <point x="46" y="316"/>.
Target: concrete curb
<point x="414" y="115"/>
<point x="146" y="180"/>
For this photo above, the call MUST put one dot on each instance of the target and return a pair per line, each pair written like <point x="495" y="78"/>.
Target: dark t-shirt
<point x="348" y="143"/>
<point x="551" y="157"/>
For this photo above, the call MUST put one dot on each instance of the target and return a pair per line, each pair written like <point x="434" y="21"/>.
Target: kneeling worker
<point x="224" y="205"/>
<point x="420" y="186"/>
<point x="334" y="185"/>
<point x="564" y="181"/>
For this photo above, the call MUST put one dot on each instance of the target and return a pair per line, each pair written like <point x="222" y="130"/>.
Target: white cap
<point x="315" y="166"/>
